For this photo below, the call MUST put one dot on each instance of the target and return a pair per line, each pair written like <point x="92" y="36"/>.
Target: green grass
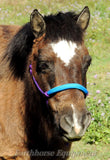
<point x="82" y="151"/>
<point x="98" y="42"/>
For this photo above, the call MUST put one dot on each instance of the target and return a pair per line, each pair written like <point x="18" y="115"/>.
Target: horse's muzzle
<point x="73" y="127"/>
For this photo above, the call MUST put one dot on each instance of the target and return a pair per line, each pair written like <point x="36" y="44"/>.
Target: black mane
<point x="63" y="26"/>
<point x="59" y="26"/>
<point x="19" y="49"/>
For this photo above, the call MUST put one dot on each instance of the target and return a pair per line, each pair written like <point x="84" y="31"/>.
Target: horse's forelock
<point x="63" y="26"/>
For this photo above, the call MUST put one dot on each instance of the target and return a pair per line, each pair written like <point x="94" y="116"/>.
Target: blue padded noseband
<point x="66" y="87"/>
<point x="59" y="88"/>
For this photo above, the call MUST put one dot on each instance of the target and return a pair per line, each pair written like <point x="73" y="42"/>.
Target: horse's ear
<point x="83" y="18"/>
<point x="37" y="23"/>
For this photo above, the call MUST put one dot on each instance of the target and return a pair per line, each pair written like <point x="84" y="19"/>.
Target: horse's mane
<point x="59" y="26"/>
<point x="63" y="26"/>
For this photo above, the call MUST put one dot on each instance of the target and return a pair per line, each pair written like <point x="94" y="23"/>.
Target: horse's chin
<point x="66" y="139"/>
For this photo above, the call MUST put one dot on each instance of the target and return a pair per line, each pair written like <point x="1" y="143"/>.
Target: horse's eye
<point x="86" y="62"/>
<point x="42" y="67"/>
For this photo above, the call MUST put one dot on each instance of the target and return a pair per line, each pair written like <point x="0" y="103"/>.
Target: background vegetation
<point x="96" y="142"/>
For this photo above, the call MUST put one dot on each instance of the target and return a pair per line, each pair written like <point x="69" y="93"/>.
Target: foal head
<point x="60" y="58"/>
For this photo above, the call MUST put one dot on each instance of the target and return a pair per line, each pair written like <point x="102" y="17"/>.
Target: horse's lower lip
<point x="65" y="138"/>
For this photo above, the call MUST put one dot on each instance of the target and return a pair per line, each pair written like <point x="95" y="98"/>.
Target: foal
<point x="42" y="87"/>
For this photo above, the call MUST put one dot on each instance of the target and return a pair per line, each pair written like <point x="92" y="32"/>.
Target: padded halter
<point x="60" y="88"/>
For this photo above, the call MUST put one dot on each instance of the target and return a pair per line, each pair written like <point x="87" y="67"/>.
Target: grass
<point x="95" y="144"/>
<point x="82" y="151"/>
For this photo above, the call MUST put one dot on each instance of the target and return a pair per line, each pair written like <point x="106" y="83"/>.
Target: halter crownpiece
<point x="59" y="88"/>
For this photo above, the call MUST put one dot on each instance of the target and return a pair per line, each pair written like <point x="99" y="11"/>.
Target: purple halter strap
<point x="37" y="85"/>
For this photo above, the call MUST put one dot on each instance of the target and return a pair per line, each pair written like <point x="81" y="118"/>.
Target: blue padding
<point x="67" y="86"/>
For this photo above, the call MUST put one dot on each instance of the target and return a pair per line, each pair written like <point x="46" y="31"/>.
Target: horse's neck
<point x="12" y="111"/>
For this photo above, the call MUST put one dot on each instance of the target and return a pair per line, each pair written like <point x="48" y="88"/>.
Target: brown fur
<point x="8" y="135"/>
<point x="6" y="33"/>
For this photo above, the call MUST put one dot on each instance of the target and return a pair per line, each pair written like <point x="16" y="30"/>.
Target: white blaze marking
<point x="65" y="50"/>
<point x="76" y="126"/>
<point x="72" y="106"/>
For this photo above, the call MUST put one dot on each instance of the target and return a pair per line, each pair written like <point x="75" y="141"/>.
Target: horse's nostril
<point x="89" y="116"/>
<point x="65" y="123"/>
<point x="87" y="119"/>
<point x="69" y="120"/>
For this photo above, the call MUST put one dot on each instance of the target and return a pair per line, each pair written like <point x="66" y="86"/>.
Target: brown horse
<point x="33" y="124"/>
